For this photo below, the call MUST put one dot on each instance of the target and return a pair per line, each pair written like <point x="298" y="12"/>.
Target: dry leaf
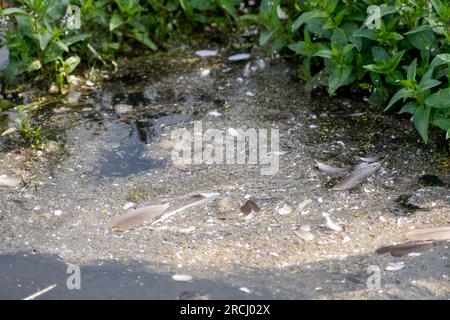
<point x="437" y="234"/>
<point x="399" y="250"/>
<point x="12" y="182"/>
<point x="249" y="207"/>
<point x="133" y="218"/>
<point x="360" y="174"/>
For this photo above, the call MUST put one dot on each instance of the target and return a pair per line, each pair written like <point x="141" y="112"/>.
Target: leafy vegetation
<point x="398" y="50"/>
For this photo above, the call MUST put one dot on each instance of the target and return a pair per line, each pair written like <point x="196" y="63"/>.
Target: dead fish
<point x="304" y="235"/>
<point x="437" y="234"/>
<point x="374" y="158"/>
<point x="12" y="182"/>
<point x="360" y="174"/>
<point x="206" y="53"/>
<point x="131" y="219"/>
<point x="333" y="226"/>
<point x="249" y="207"/>
<point x="192" y="296"/>
<point x="239" y="57"/>
<point x="330" y="170"/>
<point x="399" y="250"/>
<point x="196" y="200"/>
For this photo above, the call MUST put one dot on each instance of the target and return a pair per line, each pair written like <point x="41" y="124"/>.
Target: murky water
<point x="22" y="275"/>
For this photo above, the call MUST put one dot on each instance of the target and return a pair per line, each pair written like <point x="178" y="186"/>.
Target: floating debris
<point x="182" y="277"/>
<point x="284" y="210"/>
<point x="214" y="113"/>
<point x="131" y="219"/>
<point x="333" y="226"/>
<point x="205" y="73"/>
<point x="360" y="174"/>
<point x="239" y="57"/>
<point x="399" y="250"/>
<point x="436" y="234"/>
<point x="281" y="14"/>
<point x="244" y="289"/>
<point x="250" y="207"/>
<point x="330" y="170"/>
<point x="394" y="266"/>
<point x="11" y="182"/>
<point x="40" y="293"/>
<point x="206" y="53"/>
<point x="304" y="204"/>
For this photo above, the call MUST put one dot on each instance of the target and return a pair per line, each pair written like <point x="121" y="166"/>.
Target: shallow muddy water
<point x="116" y="155"/>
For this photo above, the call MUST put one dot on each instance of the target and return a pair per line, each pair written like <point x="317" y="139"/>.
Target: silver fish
<point x="361" y="172"/>
<point x="330" y="170"/>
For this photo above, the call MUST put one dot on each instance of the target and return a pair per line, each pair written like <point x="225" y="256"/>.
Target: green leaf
<point x="306" y="17"/>
<point x="72" y="62"/>
<point x="366" y="33"/>
<point x="442" y="123"/>
<point x="115" y="22"/>
<point x="144" y="38"/>
<point x="9" y="11"/>
<point x="8" y="131"/>
<point x="440" y="99"/>
<point x="411" y="73"/>
<point x="264" y="37"/>
<point x="35" y="65"/>
<point x="62" y="45"/>
<point x="324" y="53"/>
<point x="440" y="59"/>
<point x="338" y="39"/>
<point x="44" y="39"/>
<point x="401" y="94"/>
<point x="428" y="84"/>
<point x="421" y="119"/>
<point x="338" y="78"/>
<point x="72" y="40"/>
<point x="408" y="108"/>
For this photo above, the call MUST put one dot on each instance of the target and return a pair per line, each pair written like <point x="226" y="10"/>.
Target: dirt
<point x="113" y="147"/>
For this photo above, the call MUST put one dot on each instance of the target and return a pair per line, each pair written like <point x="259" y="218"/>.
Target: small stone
<point x="286" y="209"/>
<point x="182" y="277"/>
<point x="225" y="205"/>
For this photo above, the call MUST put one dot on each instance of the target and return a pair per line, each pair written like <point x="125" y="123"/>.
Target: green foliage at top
<point x="397" y="49"/>
<point x="400" y="50"/>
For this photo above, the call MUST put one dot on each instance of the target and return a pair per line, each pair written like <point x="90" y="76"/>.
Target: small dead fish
<point x="360" y="174"/>
<point x="206" y="53"/>
<point x="436" y="234"/>
<point x="11" y="182"/>
<point x="196" y="200"/>
<point x="249" y="207"/>
<point x="330" y="170"/>
<point x="239" y="57"/>
<point x="131" y="219"/>
<point x="192" y="296"/>
<point x="394" y="266"/>
<point x="333" y="226"/>
<point x="374" y="158"/>
<point x="399" y="250"/>
<point x="304" y="235"/>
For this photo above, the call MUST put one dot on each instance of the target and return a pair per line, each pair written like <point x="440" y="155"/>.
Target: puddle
<point x="22" y="275"/>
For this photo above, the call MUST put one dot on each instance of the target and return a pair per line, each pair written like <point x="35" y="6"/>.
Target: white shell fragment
<point x="286" y="209"/>
<point x="182" y="277"/>
<point x="239" y="57"/>
<point x="394" y="266"/>
<point x="333" y="226"/>
<point x="206" y="53"/>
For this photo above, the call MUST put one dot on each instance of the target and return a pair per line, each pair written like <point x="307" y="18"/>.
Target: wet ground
<point x="113" y="149"/>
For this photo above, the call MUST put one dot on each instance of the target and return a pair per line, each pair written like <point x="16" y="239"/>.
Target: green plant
<point x="399" y="50"/>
